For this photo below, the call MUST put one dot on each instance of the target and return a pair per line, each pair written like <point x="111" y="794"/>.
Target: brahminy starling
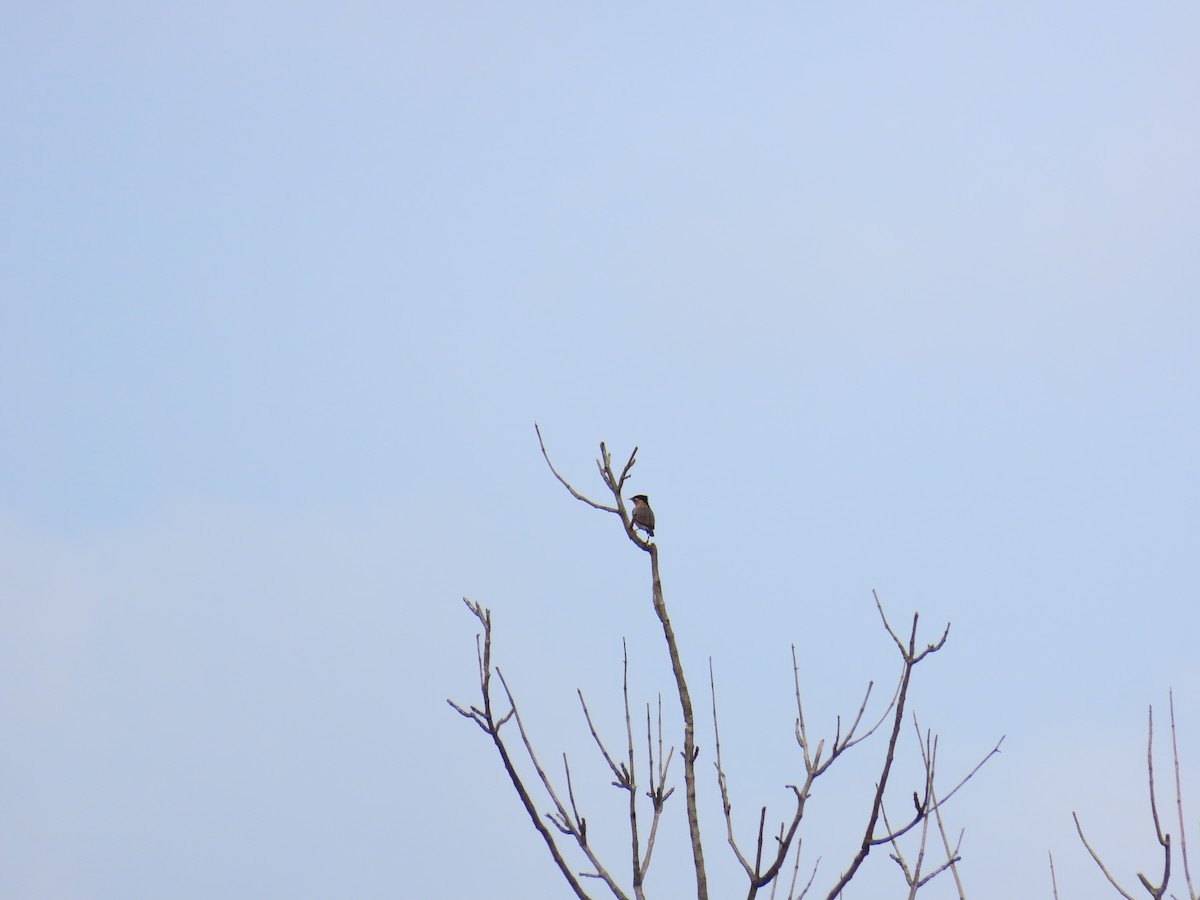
<point x="643" y="515"/>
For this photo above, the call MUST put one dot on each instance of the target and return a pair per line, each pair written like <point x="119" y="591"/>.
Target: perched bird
<point x="643" y="515"/>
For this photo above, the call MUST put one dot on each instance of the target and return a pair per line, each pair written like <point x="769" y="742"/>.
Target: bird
<point x="643" y="515"/>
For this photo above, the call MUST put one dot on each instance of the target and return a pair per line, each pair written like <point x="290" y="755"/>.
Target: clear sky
<point x="902" y="297"/>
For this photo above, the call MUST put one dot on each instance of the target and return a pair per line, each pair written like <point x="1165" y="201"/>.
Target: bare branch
<point x="890" y="630"/>
<point x="911" y="657"/>
<point x="801" y="731"/>
<point x="725" y="804"/>
<point x="473" y="714"/>
<point x="615" y="484"/>
<point x="795" y="873"/>
<point x="690" y="751"/>
<point x="563" y="818"/>
<point x="897" y="855"/>
<point x="869" y="834"/>
<point x="779" y="838"/>
<point x="563" y="481"/>
<point x="1163" y="840"/>
<point x="757" y="876"/>
<point x="858" y="718"/>
<point x="812" y="763"/>
<point x="1053" y="880"/>
<point x="625" y="471"/>
<point x="951" y="854"/>
<point x="785" y="842"/>
<point x="948" y="864"/>
<point x="658" y="794"/>
<point x="485" y="720"/>
<point x="1111" y="880"/>
<point x="917" y="657"/>
<point x="933" y="648"/>
<point x="622" y="781"/>
<point x="478" y="652"/>
<point x="850" y="740"/>
<point x="928" y="808"/>
<point x="1187" y="874"/>
<point x="631" y="781"/>
<point x="811" y="877"/>
<point x="912" y="878"/>
<point x="762" y="822"/>
<point x="580" y="822"/>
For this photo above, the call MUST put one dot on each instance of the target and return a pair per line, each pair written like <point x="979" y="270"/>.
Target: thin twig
<point x="563" y="481"/>
<point x="811" y="878"/>
<point x="636" y="865"/>
<point x="1111" y="880"/>
<point x="795" y="873"/>
<point x="812" y="763"/>
<point x="726" y="806"/>
<point x="946" y="799"/>
<point x="621" y="776"/>
<point x="897" y="855"/>
<point x="580" y="822"/>
<point x="849" y="741"/>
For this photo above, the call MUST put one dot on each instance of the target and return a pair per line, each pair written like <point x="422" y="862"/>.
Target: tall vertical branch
<point x="1183" y="851"/>
<point x="616" y="483"/>
<point x="689" y="726"/>
<point x="1159" y="891"/>
<point x="638" y="874"/>
<point x="868" y="840"/>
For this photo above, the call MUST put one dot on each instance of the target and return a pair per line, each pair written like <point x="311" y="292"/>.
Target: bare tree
<point x="769" y="856"/>
<point x="1160" y="890"/>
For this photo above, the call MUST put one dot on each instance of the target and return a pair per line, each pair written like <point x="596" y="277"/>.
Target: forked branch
<point x="910" y="656"/>
<point x="616" y="484"/>
<point x="757" y="876"/>
<point x="1156" y="891"/>
<point x="486" y="720"/>
<point x="625" y="778"/>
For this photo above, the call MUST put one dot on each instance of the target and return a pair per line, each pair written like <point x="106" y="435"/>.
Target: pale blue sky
<point x="897" y="297"/>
